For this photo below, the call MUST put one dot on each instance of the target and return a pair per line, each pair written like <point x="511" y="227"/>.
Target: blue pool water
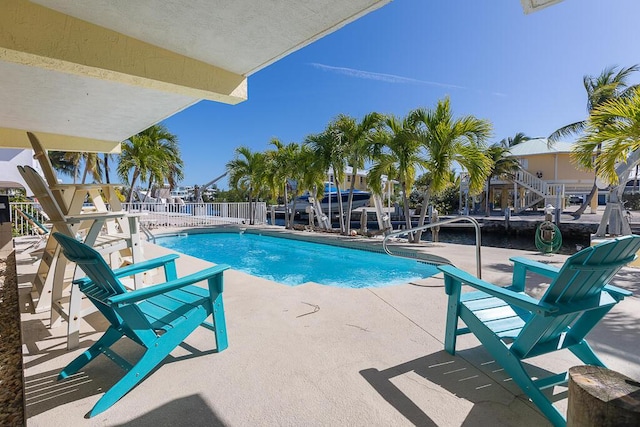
<point x="294" y="262"/>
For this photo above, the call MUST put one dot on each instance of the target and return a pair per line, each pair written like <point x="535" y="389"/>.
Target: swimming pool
<point x="294" y="262"/>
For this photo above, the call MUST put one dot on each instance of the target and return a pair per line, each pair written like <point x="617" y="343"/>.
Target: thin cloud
<point x="389" y="78"/>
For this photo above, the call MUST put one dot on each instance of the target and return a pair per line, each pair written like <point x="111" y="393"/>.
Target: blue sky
<point x="522" y="72"/>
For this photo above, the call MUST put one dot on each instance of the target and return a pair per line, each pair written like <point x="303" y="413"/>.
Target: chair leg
<point x="453" y="311"/>
<point x="512" y="364"/>
<point x="73" y="321"/>
<point x="217" y="311"/>
<point x="521" y="377"/>
<point x="585" y="353"/>
<point x="145" y="365"/>
<point x="109" y="338"/>
<point x="155" y="353"/>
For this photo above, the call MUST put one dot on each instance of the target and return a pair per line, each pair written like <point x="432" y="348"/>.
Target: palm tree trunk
<point x="407" y="215"/>
<point x="293" y="214"/>
<point x="586" y="203"/>
<point x="106" y="168"/>
<point x="84" y="175"/>
<point x="423" y="214"/>
<point x="134" y="178"/>
<point x="340" y="208"/>
<point x="487" y="212"/>
<point x="148" y="189"/>
<point x="286" y="206"/>
<point x="250" y="205"/>
<point x="350" y="202"/>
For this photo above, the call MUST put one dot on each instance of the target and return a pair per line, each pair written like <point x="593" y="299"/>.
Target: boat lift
<point x="200" y="190"/>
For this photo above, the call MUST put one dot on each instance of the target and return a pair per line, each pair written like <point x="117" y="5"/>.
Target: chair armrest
<point x="141" y="267"/>
<point x="151" y="291"/>
<point x="94" y="216"/>
<point x="520" y="267"/>
<point x="617" y="292"/>
<point x="91" y="186"/>
<point x="536" y="267"/>
<point x="130" y="270"/>
<point x="521" y="300"/>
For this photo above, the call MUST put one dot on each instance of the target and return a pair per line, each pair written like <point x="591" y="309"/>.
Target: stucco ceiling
<point x="86" y="75"/>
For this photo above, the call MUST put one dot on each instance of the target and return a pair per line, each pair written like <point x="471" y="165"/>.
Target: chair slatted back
<point x="49" y="203"/>
<point x="579" y="283"/>
<point x="42" y="156"/>
<point x="104" y="284"/>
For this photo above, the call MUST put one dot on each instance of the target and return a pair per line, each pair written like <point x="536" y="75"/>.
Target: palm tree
<point x="92" y="164"/>
<point x="329" y="149"/>
<point x="614" y="126"/>
<point x="281" y="168"/>
<point x="399" y="153"/>
<point x="510" y="141"/>
<point x="246" y="172"/>
<point x="503" y="166"/>
<point x="61" y="164"/>
<point x="447" y="140"/>
<point x="152" y="155"/>
<point x="610" y="84"/>
<point x="356" y="137"/>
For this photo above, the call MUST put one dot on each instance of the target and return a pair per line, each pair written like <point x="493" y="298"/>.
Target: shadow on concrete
<point x="483" y="386"/>
<point x="617" y="334"/>
<point x="44" y="391"/>
<point x="191" y="410"/>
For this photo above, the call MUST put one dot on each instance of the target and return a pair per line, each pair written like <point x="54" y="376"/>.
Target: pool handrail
<point x="147" y="233"/>
<point x="472" y="220"/>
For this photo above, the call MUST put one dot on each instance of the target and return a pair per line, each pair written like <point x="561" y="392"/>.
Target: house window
<point x="331" y="178"/>
<point x="348" y="178"/>
<point x="361" y="180"/>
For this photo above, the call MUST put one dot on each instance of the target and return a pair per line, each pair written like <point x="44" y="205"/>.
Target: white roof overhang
<point x="86" y="75"/>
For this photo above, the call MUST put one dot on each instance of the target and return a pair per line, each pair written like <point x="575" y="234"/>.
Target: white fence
<point x="155" y="215"/>
<point x="196" y="214"/>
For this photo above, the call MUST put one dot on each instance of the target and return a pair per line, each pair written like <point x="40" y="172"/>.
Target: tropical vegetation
<point x="422" y="152"/>
<point x="151" y="156"/>
<point x="610" y="85"/>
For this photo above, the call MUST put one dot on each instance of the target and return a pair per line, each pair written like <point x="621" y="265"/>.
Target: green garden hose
<point x="548" y="238"/>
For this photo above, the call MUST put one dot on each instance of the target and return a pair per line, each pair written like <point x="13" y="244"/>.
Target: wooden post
<point x="435" y="231"/>
<point x="602" y="397"/>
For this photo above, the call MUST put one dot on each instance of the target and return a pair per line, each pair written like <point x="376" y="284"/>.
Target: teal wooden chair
<point x="157" y="317"/>
<point x="513" y="326"/>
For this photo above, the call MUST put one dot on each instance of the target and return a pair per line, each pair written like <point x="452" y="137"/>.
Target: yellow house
<point x="547" y="176"/>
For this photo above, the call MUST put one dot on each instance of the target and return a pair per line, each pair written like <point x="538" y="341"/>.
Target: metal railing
<point x="472" y="220"/>
<point x="196" y="214"/>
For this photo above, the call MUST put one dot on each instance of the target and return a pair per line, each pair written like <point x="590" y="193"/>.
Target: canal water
<point x="493" y="238"/>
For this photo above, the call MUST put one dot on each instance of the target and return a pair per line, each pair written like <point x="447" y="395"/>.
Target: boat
<point x="360" y="199"/>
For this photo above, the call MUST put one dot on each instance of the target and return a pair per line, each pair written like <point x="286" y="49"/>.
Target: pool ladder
<point x="473" y="222"/>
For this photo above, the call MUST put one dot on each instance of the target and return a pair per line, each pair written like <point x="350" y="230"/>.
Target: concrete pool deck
<point x="315" y="355"/>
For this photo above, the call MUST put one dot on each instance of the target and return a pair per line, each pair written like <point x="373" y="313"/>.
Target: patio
<point x="314" y="355"/>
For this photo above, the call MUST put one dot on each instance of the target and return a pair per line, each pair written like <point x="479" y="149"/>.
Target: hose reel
<point x="548" y="238"/>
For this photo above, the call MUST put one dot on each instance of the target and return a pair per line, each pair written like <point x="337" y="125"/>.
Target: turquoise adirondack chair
<point x="513" y="326"/>
<point x="157" y="317"/>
